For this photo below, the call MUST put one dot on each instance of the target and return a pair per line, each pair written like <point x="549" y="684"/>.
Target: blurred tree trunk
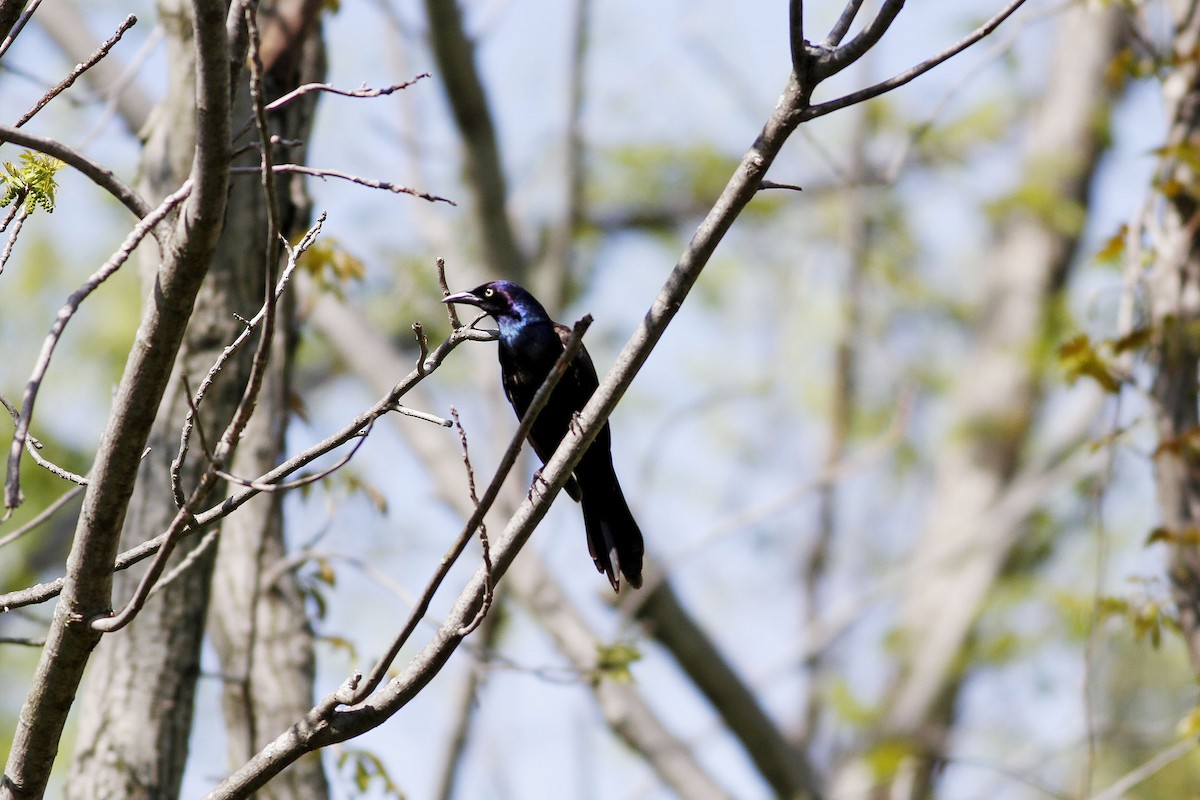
<point x="138" y="698"/>
<point x="960" y="555"/>
<point x="258" y="622"/>
<point x="1173" y="291"/>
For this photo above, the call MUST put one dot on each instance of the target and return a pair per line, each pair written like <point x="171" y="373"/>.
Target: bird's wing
<point x="582" y="370"/>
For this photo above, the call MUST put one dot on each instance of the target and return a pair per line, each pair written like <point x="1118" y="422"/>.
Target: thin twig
<point x="26" y="15"/>
<point x="821" y="109"/>
<point x="842" y="26"/>
<point x="329" y="88"/>
<point x="379" y="671"/>
<point x="422" y="415"/>
<point x="30" y="642"/>
<point x="50" y="589"/>
<point x="18" y="215"/>
<point x="796" y="41"/>
<point x="34" y="447"/>
<point x="258" y="363"/>
<point x="488" y="586"/>
<point x="189" y="421"/>
<point x="12" y="487"/>
<point x="450" y="307"/>
<point x="301" y="169"/>
<point x="773" y="185"/>
<point x="101" y="176"/>
<point x="303" y="480"/>
<point x="17" y="205"/>
<point x="79" y="69"/>
<point x="180" y="524"/>
<point x="422" y="343"/>
<point x="193" y="414"/>
<point x="187" y="562"/>
<point x="42" y="515"/>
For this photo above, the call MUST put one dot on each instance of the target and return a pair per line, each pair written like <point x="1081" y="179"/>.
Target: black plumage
<point x="530" y="344"/>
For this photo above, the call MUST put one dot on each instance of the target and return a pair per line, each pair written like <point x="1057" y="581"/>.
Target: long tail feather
<point x="614" y="539"/>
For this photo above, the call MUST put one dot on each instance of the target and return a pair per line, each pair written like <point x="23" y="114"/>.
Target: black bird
<point x="530" y="344"/>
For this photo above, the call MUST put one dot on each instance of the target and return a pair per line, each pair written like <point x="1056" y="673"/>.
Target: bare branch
<point x="489" y="585"/>
<point x="258" y="365"/>
<point x="79" y="69"/>
<point x="22" y="641"/>
<point x="189" y="560"/>
<point x="830" y="64"/>
<point x="821" y="109"/>
<point x="12" y="486"/>
<point x="773" y="185"/>
<point x="101" y="176"/>
<point x="17" y="25"/>
<point x="379" y="671"/>
<point x="299" y="91"/>
<point x="422" y="415"/>
<point x="842" y="26"/>
<point x="304" y="480"/>
<point x="189" y="421"/>
<point x="422" y="343"/>
<point x="332" y="173"/>
<point x="16" y="217"/>
<point x="182" y="522"/>
<point x="42" y="516"/>
<point x="33" y="446"/>
<point x="45" y="591"/>
<point x="798" y="47"/>
<point x="450" y="307"/>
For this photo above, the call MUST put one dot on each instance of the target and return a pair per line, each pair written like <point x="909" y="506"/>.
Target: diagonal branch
<point x="842" y="26"/>
<point x="507" y="461"/>
<point x="352" y="430"/>
<point x="833" y="63"/>
<point x="79" y="69"/>
<point x="821" y="109"/>
<point x="148" y="225"/>
<point x="103" y="177"/>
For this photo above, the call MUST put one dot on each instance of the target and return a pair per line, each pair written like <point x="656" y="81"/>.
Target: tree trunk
<point x="139" y="694"/>
<point x="1173" y="290"/>
<point x="258" y="622"/>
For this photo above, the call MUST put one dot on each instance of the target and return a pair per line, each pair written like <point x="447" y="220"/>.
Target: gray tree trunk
<point x="138" y="697"/>
<point x="1173" y="291"/>
<point x="257" y="619"/>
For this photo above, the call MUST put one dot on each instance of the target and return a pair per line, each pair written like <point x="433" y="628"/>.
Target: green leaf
<point x="1189" y="726"/>
<point x="612" y="661"/>
<point x="366" y="769"/>
<point x="1080" y="358"/>
<point x="31" y="183"/>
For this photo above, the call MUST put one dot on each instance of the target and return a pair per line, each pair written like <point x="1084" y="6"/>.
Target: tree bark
<point x="1173" y="290"/>
<point x="139" y="695"/>
<point x="257" y="621"/>
<point x="87" y="589"/>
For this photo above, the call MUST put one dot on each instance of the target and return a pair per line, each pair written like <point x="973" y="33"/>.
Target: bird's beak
<point x="461" y="297"/>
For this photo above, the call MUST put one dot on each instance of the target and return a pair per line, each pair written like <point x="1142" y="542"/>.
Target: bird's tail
<point x="614" y="539"/>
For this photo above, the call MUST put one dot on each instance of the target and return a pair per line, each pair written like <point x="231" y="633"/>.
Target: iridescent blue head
<point x="504" y="300"/>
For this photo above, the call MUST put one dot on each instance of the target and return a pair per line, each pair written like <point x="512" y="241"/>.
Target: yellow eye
<point x="489" y="292"/>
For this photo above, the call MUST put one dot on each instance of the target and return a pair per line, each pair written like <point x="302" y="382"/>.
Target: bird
<point x="530" y="343"/>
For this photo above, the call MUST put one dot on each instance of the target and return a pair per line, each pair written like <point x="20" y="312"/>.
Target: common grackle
<point x="530" y="344"/>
